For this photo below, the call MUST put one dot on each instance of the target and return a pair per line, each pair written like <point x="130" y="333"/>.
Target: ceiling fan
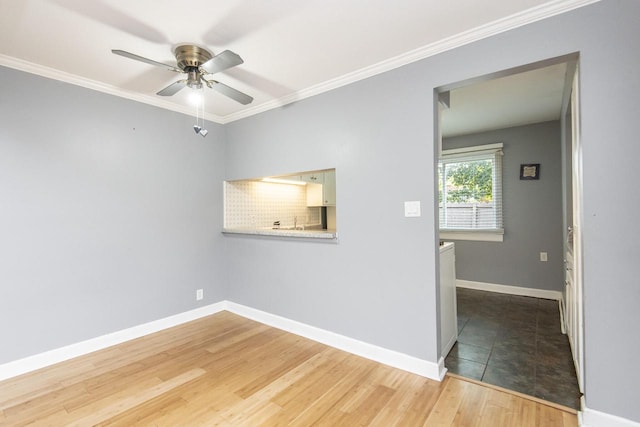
<point x="196" y="63"/>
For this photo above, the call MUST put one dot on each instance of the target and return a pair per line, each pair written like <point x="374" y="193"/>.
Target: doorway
<point x="518" y="293"/>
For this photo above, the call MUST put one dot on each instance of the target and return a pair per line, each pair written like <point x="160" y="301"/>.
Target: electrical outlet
<point x="199" y="294"/>
<point x="543" y="256"/>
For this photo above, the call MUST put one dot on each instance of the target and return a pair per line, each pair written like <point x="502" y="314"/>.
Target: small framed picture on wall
<point x="530" y="171"/>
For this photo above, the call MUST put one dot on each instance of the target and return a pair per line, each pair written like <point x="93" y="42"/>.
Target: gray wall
<point x="369" y="284"/>
<point x="110" y="213"/>
<point x="106" y="229"/>
<point x="378" y="283"/>
<point x="532" y="212"/>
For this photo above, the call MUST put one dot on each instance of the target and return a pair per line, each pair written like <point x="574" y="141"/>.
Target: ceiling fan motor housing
<point x="189" y="56"/>
<point x="189" y="59"/>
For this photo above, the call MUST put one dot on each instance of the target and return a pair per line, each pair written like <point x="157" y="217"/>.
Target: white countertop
<point x="446" y="246"/>
<point x="283" y="232"/>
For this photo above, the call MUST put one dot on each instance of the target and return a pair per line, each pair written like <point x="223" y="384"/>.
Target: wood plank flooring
<point x="229" y="371"/>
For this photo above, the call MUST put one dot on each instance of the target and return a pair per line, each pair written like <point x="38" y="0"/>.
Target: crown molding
<point x="520" y="19"/>
<point x="528" y="16"/>
<point x="52" y="73"/>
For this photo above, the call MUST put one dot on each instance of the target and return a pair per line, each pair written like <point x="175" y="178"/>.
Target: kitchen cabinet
<point x="313" y="178"/>
<point x="314" y="195"/>
<point x="329" y="189"/>
<point x="448" y="310"/>
<point x="321" y="188"/>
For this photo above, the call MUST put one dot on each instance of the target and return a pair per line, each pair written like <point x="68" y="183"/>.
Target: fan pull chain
<point x="198" y="110"/>
<point x="203" y="132"/>
<point x="200" y="105"/>
<point x="197" y="127"/>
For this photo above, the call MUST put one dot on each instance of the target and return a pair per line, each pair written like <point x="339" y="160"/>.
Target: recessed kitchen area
<point x="296" y="205"/>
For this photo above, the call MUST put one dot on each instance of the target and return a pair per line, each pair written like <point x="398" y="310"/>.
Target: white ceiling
<point x="519" y="99"/>
<point x="292" y="49"/>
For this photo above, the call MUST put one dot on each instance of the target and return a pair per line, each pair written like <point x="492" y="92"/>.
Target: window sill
<point x="489" y="236"/>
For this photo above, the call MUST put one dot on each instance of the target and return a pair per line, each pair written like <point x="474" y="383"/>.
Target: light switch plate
<point x="543" y="256"/>
<point x="412" y="209"/>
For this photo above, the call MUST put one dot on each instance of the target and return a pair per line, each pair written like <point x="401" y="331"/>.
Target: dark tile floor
<point x="514" y="342"/>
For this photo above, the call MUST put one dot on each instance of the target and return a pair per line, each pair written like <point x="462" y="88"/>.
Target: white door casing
<point x="577" y="341"/>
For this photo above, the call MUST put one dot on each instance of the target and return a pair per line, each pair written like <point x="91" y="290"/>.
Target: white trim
<point x="592" y="418"/>
<point x="512" y="290"/>
<point x="577" y="182"/>
<point x="478" y="236"/>
<point x="516" y="20"/>
<point x="369" y="351"/>
<point x="520" y="19"/>
<point x="474" y="149"/>
<point x="587" y="417"/>
<point x="41" y="360"/>
<point x="435" y="371"/>
<point x="448" y="346"/>
<point x="442" y="370"/>
<point x="563" y="324"/>
<point x="52" y="73"/>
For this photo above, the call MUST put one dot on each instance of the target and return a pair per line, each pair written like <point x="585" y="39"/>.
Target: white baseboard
<point x="512" y="290"/>
<point x="563" y="323"/>
<point x="368" y="351"/>
<point x="592" y="418"/>
<point x="448" y="346"/>
<point x="41" y="360"/>
<point x="442" y="370"/>
<point x="587" y="417"/>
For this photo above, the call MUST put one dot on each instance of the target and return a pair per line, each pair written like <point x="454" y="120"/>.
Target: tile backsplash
<point x="256" y="204"/>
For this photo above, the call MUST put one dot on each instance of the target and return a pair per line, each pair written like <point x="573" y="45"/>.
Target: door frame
<point x="577" y="342"/>
<point x="572" y="101"/>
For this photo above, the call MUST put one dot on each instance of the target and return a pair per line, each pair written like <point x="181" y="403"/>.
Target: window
<point x="470" y="193"/>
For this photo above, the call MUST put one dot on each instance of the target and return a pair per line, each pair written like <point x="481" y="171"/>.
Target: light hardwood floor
<point x="230" y="371"/>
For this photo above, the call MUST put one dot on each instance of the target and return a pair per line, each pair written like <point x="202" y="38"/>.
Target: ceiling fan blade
<point x="173" y="88"/>
<point x="232" y="93"/>
<point x="222" y="61"/>
<point x="145" y="60"/>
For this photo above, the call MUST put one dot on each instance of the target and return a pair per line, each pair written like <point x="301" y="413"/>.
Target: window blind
<point x="470" y="189"/>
